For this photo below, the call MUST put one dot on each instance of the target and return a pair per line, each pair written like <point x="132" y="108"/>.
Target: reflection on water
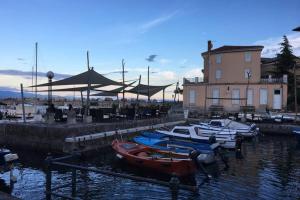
<point x="270" y="169"/>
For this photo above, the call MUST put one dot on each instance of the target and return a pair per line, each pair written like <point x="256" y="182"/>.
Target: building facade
<point x="232" y="80"/>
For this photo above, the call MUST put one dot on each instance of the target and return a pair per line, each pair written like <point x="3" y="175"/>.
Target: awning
<point x="74" y="89"/>
<point x="143" y="89"/>
<point x="296" y="29"/>
<point x="87" y="77"/>
<point x="105" y="94"/>
<point x="117" y="90"/>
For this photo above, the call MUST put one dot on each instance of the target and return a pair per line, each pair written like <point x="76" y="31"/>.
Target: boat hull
<point x="138" y="155"/>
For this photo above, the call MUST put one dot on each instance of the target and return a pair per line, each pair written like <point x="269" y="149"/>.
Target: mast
<point x="36" y="60"/>
<point x="89" y="85"/>
<point x="32" y="75"/>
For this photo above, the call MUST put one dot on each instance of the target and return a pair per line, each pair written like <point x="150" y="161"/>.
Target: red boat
<point x="165" y="162"/>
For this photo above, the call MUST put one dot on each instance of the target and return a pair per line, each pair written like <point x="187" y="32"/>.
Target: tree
<point x="285" y="64"/>
<point x="285" y="59"/>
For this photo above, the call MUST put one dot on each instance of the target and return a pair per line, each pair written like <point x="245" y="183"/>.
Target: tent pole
<point x="89" y="85"/>
<point x="137" y="98"/>
<point x="81" y="98"/>
<point x="148" y="87"/>
<point x="138" y="89"/>
<point x="164" y="96"/>
<point x="123" y="77"/>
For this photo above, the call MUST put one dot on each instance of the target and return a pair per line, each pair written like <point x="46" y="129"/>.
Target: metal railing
<point x="272" y="80"/>
<point x="193" y="80"/>
<point x="50" y="162"/>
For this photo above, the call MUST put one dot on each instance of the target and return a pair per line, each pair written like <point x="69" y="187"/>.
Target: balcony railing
<point x="271" y="79"/>
<point x="193" y="80"/>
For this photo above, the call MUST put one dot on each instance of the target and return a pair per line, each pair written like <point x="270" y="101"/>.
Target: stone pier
<point x="51" y="137"/>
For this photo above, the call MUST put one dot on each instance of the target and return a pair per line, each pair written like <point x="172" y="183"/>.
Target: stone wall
<point x="51" y="137"/>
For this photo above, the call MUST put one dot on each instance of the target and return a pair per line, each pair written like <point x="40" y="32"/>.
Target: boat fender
<point x="10" y="157"/>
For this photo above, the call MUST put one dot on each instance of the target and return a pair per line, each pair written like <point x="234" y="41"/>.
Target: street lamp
<point x="248" y="77"/>
<point x="50" y="76"/>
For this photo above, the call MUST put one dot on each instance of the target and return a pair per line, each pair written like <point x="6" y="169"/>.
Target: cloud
<point x="28" y="74"/>
<point x="151" y="58"/>
<point x="272" y="45"/>
<point x="155" y="22"/>
<point x="164" y="61"/>
<point x="167" y="75"/>
<point x="132" y="32"/>
<point x="195" y="72"/>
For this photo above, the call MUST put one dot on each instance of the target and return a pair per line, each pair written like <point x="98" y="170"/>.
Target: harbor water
<point x="269" y="169"/>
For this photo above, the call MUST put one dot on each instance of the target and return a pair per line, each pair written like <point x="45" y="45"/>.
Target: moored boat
<point x="227" y="126"/>
<point x="196" y="134"/>
<point x="206" y="151"/>
<point x="160" y="161"/>
<point x="7" y="159"/>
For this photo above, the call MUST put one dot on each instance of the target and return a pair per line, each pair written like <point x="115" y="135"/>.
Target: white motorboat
<point x="227" y="126"/>
<point x="195" y="133"/>
<point x="7" y="159"/>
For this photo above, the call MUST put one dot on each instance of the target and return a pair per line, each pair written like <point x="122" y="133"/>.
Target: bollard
<point x="174" y="186"/>
<point x="73" y="182"/>
<point x="48" y="162"/>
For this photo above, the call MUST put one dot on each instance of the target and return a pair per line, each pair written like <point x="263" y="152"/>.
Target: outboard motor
<point x="194" y="155"/>
<point x="202" y="158"/>
<point x="238" y="148"/>
<point x="212" y="139"/>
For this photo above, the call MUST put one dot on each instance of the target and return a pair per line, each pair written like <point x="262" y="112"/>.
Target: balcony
<point x="271" y="79"/>
<point x="194" y="80"/>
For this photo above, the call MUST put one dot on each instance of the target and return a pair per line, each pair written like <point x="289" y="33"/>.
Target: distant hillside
<point x="17" y="94"/>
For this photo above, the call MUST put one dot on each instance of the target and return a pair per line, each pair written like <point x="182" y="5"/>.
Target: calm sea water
<point x="270" y="169"/>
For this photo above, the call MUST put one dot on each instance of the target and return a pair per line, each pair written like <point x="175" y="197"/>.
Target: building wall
<point x="233" y="67"/>
<point x="226" y="91"/>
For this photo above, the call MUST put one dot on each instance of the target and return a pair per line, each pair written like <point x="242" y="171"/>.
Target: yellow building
<point x="232" y="80"/>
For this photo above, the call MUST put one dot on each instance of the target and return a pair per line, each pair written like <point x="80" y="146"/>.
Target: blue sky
<point x="176" y="31"/>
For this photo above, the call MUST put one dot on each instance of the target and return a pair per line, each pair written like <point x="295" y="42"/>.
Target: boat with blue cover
<point x="206" y="151"/>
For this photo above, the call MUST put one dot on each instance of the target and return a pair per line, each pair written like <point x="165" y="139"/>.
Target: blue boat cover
<point x="172" y="145"/>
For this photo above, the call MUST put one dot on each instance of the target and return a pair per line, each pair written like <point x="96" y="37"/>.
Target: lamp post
<point x="50" y="76"/>
<point x="247" y="87"/>
<point x="248" y="78"/>
<point x="295" y="81"/>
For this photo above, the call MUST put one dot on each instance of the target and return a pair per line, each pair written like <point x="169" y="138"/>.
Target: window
<point x="216" y="123"/>
<point x="236" y="96"/>
<point x="276" y="91"/>
<point x="263" y="96"/>
<point x="215" y="95"/>
<point x="192" y="97"/>
<point x="182" y="131"/>
<point x="247" y="73"/>
<point x="218" y="73"/>
<point x="218" y="58"/>
<point x="247" y="56"/>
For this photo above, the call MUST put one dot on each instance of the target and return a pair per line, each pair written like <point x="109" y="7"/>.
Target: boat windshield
<point x="182" y="131"/>
<point x="216" y="123"/>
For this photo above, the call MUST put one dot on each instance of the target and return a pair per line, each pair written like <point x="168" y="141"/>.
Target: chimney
<point x="209" y="45"/>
